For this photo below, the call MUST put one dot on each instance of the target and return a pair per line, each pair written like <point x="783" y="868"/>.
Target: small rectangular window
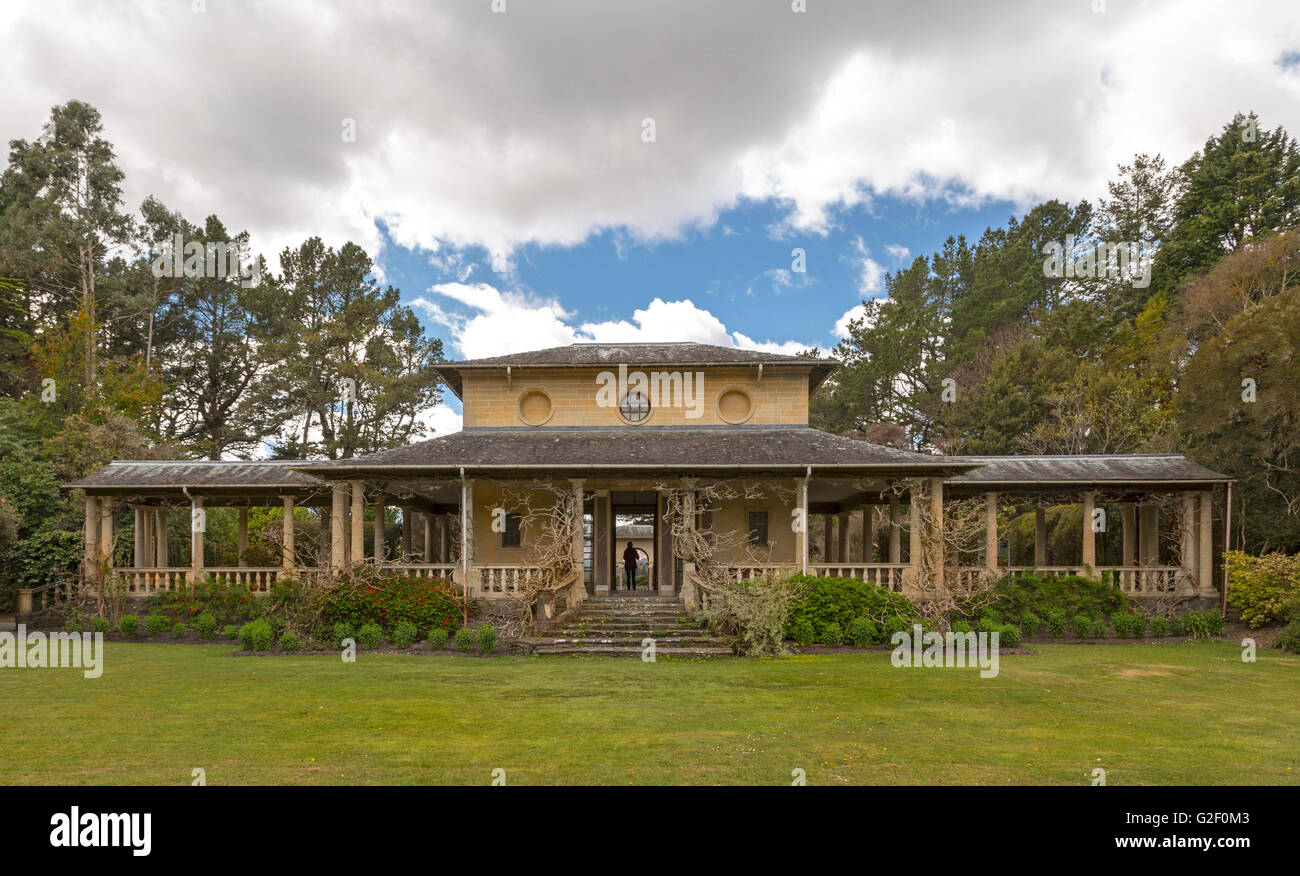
<point x="758" y="528"/>
<point x="511" y="536"/>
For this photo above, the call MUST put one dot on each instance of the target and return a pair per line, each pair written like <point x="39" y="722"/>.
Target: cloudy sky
<point x="601" y="170"/>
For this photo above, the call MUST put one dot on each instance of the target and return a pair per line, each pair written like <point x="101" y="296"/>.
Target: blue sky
<point x="738" y="268"/>
<point x="498" y="166"/>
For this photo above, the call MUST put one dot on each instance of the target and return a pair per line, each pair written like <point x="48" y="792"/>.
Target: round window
<point x="535" y="407"/>
<point x="735" y="405"/>
<point x="634" y="407"/>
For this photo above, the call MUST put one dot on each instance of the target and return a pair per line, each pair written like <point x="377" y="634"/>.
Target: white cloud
<point x="502" y="322"/>
<point x="897" y="251"/>
<point x="501" y="129"/>
<point x="871" y="274"/>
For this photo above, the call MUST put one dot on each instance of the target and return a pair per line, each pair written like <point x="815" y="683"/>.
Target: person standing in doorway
<point x="629" y="566"/>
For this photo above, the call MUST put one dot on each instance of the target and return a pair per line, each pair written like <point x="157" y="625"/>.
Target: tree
<point x="353" y="361"/>
<point x="60" y="215"/>
<point x="1244" y="183"/>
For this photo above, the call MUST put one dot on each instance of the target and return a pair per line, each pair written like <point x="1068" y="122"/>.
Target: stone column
<point x="895" y="530"/>
<point x="1187" y="543"/>
<point x="427" y="554"/>
<point x="936" y="536"/>
<point x="338" y="534"/>
<point x="243" y="537"/>
<point x="1149" y="535"/>
<point x="801" y="539"/>
<point x="842" y="537"/>
<point x="106" y="532"/>
<point x="90" y="557"/>
<point x="198" y="527"/>
<point x="868" y="534"/>
<point x="689" y="594"/>
<point x="357" y="542"/>
<point x="1089" y="535"/>
<point x="444" y="546"/>
<point x="914" y="500"/>
<point x="828" y="539"/>
<point x="1040" y="537"/>
<point x="466" y="533"/>
<point x="578" y="592"/>
<point x="407" y="513"/>
<point x="163" y="556"/>
<point x="378" y="548"/>
<point x="287" y="557"/>
<point x="991" y="530"/>
<point x="1130" y="534"/>
<point x="141" y="538"/>
<point x="1205" y="545"/>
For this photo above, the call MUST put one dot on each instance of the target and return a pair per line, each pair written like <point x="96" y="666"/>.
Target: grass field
<point x="1186" y="713"/>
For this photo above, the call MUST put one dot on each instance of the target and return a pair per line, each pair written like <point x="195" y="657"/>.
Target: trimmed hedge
<point x="840" y="601"/>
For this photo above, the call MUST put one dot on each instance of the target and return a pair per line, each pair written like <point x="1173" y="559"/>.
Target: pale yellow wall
<point x="733" y="516"/>
<point x="491" y="400"/>
<point x="487" y="544"/>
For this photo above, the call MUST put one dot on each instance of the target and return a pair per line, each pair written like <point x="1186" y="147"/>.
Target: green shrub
<point x="256" y="635"/>
<point x="403" y="634"/>
<point x="1019" y="595"/>
<point x="1097" y="629"/>
<point x="1159" y="626"/>
<point x="832" y="634"/>
<point x="387" y="599"/>
<point x="342" y="630"/>
<point x="822" y="601"/>
<point x="370" y="636"/>
<point x="1008" y="636"/>
<point x="1261" y="586"/>
<point x="1288" y="638"/>
<point x="801" y="630"/>
<point x="863" y="632"/>
<point x="75" y="623"/>
<point x="1138" y="625"/>
<point x="487" y="639"/>
<point x="1178" y="625"/>
<point x="156" y="624"/>
<point x="896" y="625"/>
<point x="465" y="640"/>
<point x="988" y="624"/>
<point x="230" y="631"/>
<point x="1206" y="624"/>
<point x="288" y="642"/>
<point x="1029" y="623"/>
<point x="230" y="602"/>
<point x="178" y="631"/>
<point x="99" y="624"/>
<point x="129" y="625"/>
<point x="1120" y="622"/>
<point x="962" y="626"/>
<point x="437" y="638"/>
<point x="1080" y="626"/>
<point x="1056" y="623"/>
<point x="205" y="625"/>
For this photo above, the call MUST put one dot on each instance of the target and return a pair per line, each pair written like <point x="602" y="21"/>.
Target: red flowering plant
<point x="388" y="598"/>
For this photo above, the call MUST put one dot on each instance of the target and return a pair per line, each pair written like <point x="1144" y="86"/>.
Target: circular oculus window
<point x="735" y="405"/>
<point x="535" y="407"/>
<point x="635" y="407"/>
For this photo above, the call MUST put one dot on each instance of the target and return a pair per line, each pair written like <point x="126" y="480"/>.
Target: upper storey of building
<point x="633" y="385"/>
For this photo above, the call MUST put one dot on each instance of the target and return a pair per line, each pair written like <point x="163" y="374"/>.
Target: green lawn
<point x="1188" y="713"/>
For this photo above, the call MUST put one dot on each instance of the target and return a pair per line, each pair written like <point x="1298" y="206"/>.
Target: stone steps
<point x="609" y="650"/>
<point x="614" y="626"/>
